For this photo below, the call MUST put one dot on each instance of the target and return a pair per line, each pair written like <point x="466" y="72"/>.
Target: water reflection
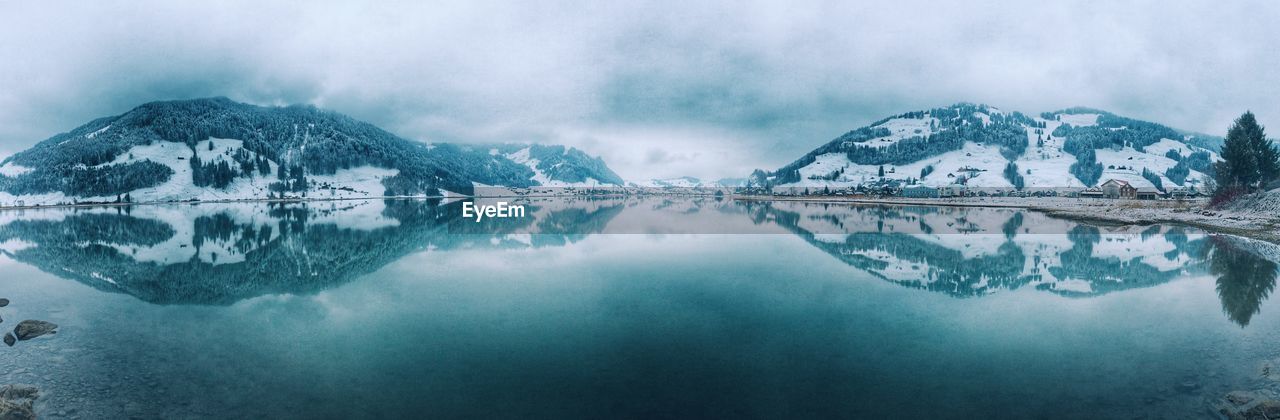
<point x="1245" y="278"/>
<point x="966" y="252"/>
<point x="218" y="254"/>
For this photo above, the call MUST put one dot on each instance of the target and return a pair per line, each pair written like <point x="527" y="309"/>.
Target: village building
<point x="952" y="190"/>
<point x="1147" y="193"/>
<point x="920" y="191"/>
<point x="1115" y="188"/>
<point x="1092" y="192"/>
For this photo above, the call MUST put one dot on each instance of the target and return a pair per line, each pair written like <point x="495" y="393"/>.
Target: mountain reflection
<point x="965" y="252"/>
<point x="218" y="254"/>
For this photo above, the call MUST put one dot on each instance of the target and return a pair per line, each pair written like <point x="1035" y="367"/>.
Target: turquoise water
<point x="626" y="307"/>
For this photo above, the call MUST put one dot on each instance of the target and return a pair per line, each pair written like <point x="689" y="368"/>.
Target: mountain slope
<point x="689" y="182"/>
<point x="557" y="166"/>
<point x="981" y="146"/>
<point x="216" y="148"/>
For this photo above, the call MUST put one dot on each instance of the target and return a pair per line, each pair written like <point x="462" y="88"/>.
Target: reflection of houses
<point x="1092" y="192"/>
<point x="1115" y="188"/>
<point x="1147" y="193"/>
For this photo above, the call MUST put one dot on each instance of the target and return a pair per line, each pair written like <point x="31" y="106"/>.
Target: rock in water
<point x="17" y="402"/>
<point x="4" y="302"/>
<point x="31" y="328"/>
<point x="8" y="339"/>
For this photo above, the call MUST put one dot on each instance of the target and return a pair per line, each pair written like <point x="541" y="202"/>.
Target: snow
<point x="978" y="232"/>
<point x="1163" y="147"/>
<point x="1079" y="120"/>
<point x="1134" y="161"/>
<point x="180" y="247"/>
<point x="522" y="157"/>
<point x="1043" y="165"/>
<point x="359" y="182"/>
<point x="352" y="214"/>
<point x="12" y="169"/>
<point x="96" y="133"/>
<point x="901" y="128"/>
<point x="677" y="182"/>
<point x="15" y="245"/>
<point x="99" y="276"/>
<point x="985" y="161"/>
<point x="986" y="119"/>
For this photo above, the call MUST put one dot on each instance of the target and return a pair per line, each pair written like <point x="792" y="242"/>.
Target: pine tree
<point x="1250" y="161"/>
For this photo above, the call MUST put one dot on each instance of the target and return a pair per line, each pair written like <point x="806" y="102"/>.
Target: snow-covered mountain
<point x="218" y="149"/>
<point x="983" y="147"/>
<point x="689" y="182"/>
<point x="558" y="166"/>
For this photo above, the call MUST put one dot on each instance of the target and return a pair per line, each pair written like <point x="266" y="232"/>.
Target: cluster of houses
<point x="1118" y="189"/>
<point x="1110" y="189"/>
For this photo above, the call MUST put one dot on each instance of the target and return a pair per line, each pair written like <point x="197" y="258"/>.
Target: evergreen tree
<point x="1153" y="178"/>
<point x="1250" y="161"/>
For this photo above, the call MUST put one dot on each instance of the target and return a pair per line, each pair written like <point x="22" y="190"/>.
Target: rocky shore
<point x="17" y="402"/>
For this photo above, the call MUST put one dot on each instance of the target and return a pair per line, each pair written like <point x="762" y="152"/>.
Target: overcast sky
<point x="664" y="89"/>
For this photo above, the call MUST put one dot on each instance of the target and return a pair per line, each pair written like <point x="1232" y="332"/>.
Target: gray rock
<point x="9" y="340"/>
<point x="4" y="302"/>
<point x="1249" y="405"/>
<point x="17" y="402"/>
<point x="29" y="329"/>
<point x="17" y="392"/>
<point x="1268" y="409"/>
<point x="1240" y="397"/>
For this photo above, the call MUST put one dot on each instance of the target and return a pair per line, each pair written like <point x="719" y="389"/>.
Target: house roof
<point x="1148" y="190"/>
<point x="1116" y="181"/>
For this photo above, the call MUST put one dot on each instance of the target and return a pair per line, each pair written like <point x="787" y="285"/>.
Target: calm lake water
<point x="629" y="307"/>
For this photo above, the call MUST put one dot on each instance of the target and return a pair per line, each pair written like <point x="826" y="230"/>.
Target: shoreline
<point x="1095" y="210"/>
<point x="297" y="200"/>
<point x="194" y="202"/>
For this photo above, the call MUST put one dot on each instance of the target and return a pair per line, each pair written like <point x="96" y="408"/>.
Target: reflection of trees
<point x="101" y="228"/>
<point x="1244" y="279"/>
<point x="1104" y="273"/>
<point x="292" y="253"/>
<point x="948" y="270"/>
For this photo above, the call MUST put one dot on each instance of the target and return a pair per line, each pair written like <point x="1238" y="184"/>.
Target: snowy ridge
<point x="523" y="157"/>
<point x="970" y="145"/>
<point x="688" y="182"/>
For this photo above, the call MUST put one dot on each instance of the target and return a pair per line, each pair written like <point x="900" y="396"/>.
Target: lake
<point x="629" y="307"/>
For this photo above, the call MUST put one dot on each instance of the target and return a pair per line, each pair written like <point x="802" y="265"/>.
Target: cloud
<point x="759" y="82"/>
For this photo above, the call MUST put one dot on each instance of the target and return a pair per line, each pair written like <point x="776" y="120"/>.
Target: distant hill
<point x="216" y="148"/>
<point x="689" y="182"/>
<point x="984" y="147"/>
